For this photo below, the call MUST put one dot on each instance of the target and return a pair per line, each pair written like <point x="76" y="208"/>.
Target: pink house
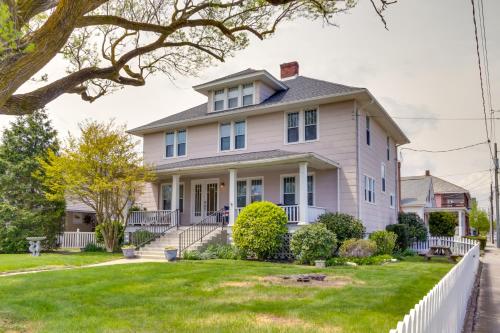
<point x="309" y="145"/>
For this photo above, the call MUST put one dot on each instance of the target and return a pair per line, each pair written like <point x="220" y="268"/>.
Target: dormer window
<point x="248" y="94"/>
<point x="219" y="100"/>
<point x="232" y="97"/>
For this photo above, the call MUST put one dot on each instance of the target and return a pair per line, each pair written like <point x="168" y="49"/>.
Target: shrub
<point x="416" y="227"/>
<point x="220" y="251"/>
<point x="100" y="239"/>
<point x="385" y="240"/>
<point x="481" y="239"/>
<point x="260" y="228"/>
<point x="403" y="238"/>
<point x="442" y="224"/>
<point x="313" y="242"/>
<point x="91" y="247"/>
<point x="358" y="248"/>
<point x="191" y="255"/>
<point x="405" y="253"/>
<point x="344" y="226"/>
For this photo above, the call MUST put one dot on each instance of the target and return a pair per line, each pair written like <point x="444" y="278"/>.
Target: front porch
<point x="462" y="214"/>
<point x="304" y="185"/>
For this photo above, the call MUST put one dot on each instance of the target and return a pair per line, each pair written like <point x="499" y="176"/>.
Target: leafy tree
<point x="403" y="235"/>
<point x="478" y="219"/>
<point x="102" y="169"/>
<point x="24" y="209"/>
<point x="416" y="227"/>
<point x="112" y="43"/>
<point x="442" y="224"/>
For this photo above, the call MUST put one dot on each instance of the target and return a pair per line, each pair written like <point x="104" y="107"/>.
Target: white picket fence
<point x="443" y="309"/>
<point x="458" y="245"/>
<point x="76" y="239"/>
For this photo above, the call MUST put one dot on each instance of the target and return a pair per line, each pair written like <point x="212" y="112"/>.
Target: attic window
<point x="248" y="94"/>
<point x="219" y="100"/>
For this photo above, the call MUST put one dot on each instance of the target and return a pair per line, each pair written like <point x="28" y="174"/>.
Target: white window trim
<point x="383" y="177"/>
<point x="363" y="192"/>
<point x="249" y="191"/>
<point x="231" y="136"/>
<point x="301" y="113"/>
<point x="175" y="143"/>
<point x="161" y="194"/>
<point x="225" y="99"/>
<point x="297" y="187"/>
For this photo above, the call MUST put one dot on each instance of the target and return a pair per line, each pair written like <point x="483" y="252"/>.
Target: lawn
<point x="26" y="262"/>
<point x="213" y="296"/>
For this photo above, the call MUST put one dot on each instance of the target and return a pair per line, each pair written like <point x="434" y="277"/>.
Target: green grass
<point x="212" y="296"/>
<point x="26" y="262"/>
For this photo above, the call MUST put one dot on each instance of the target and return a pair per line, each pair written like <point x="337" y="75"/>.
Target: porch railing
<point x="152" y="226"/>
<point x="293" y="213"/>
<point x="202" y="229"/>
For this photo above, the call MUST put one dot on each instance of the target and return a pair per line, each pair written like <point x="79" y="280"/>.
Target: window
<point x="310" y="123"/>
<point x="256" y="190"/>
<point x="293" y="127"/>
<point x="388" y="149"/>
<point x="310" y="190"/>
<point x="391" y="202"/>
<point x="241" y="193"/>
<point x="232" y="97"/>
<point x="247" y="94"/>
<point x="225" y="137"/>
<point x="169" y="152"/>
<point x="219" y="100"/>
<point x="166" y="197"/>
<point x="239" y="135"/>
<point x="382" y="172"/>
<point x="368" y="130"/>
<point x="181" y="143"/>
<point x="369" y="184"/>
<point x="289" y="191"/>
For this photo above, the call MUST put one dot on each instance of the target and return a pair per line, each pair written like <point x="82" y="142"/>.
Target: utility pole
<point x="496" y="196"/>
<point x="492" y="216"/>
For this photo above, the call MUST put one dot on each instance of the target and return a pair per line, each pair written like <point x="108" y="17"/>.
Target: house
<point x="426" y="194"/>
<point x="78" y="216"/>
<point x="308" y="145"/>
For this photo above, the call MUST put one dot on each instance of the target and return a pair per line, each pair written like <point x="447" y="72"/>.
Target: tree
<point x="478" y="219"/>
<point x="416" y="227"/>
<point x="112" y="43"/>
<point x="442" y="224"/>
<point x="102" y="169"/>
<point x="24" y="208"/>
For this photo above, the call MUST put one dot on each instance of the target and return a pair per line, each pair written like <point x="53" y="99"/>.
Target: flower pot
<point x="170" y="255"/>
<point x="320" y="263"/>
<point x="129" y="253"/>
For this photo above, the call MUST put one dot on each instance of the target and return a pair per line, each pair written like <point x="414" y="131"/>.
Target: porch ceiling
<point x="271" y="158"/>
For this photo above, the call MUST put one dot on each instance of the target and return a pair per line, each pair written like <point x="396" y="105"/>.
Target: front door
<point x="205" y="198"/>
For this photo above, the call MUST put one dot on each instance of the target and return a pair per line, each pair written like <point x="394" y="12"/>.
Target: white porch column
<point x="232" y="196"/>
<point x="175" y="192"/>
<point x="303" y="208"/>
<point x="461" y="229"/>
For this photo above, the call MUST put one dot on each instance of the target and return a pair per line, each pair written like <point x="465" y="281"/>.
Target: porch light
<point x="222" y="185"/>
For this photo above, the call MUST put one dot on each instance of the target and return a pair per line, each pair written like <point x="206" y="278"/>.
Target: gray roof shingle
<point x="414" y="190"/>
<point x="299" y="89"/>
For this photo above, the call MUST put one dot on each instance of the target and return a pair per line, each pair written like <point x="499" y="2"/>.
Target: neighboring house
<point x="426" y="194"/>
<point x="79" y="216"/>
<point x="308" y="145"/>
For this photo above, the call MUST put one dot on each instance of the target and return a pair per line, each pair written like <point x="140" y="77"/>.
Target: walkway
<point x="488" y="308"/>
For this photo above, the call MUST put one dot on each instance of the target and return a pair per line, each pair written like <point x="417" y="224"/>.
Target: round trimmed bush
<point x="313" y="242"/>
<point x="259" y="229"/>
<point x="385" y="240"/>
<point x="358" y="248"/>
<point x="344" y="226"/>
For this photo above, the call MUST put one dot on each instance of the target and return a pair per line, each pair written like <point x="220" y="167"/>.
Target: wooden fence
<point x="76" y="239"/>
<point x="444" y="308"/>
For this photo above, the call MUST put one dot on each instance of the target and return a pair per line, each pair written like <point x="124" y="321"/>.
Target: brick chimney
<point x="289" y="69"/>
<point x="427" y="173"/>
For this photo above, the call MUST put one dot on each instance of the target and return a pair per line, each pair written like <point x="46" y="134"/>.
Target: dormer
<point x="242" y="89"/>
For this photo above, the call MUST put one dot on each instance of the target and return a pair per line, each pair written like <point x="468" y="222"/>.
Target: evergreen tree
<point x="24" y="208"/>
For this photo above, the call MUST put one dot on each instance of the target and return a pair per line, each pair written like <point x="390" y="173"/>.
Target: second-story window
<point x="388" y="148"/>
<point x="239" y="135"/>
<point x="219" y="100"/>
<point x="225" y="137"/>
<point x="169" y="150"/>
<point x="382" y="172"/>
<point x="176" y="143"/>
<point x="368" y="134"/>
<point x="232" y="97"/>
<point x="310" y="125"/>
<point x="293" y="127"/>
<point x="247" y="94"/>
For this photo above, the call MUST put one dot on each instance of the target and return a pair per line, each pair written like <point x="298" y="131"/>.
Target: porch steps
<point x="155" y="249"/>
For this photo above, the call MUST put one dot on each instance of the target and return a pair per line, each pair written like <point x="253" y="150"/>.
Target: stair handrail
<point x="197" y="231"/>
<point x="149" y="233"/>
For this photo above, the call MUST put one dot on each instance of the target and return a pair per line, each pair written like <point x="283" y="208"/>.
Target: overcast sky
<point x="424" y="66"/>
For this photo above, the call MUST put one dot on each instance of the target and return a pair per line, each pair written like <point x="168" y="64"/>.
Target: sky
<point x="425" y="65"/>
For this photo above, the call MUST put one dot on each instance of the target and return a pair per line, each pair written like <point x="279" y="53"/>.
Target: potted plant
<point x="170" y="253"/>
<point x="128" y="251"/>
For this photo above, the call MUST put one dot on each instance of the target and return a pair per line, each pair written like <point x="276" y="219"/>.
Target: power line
<point x="465" y="173"/>
<point x="445" y="119"/>
<point x="445" y="150"/>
